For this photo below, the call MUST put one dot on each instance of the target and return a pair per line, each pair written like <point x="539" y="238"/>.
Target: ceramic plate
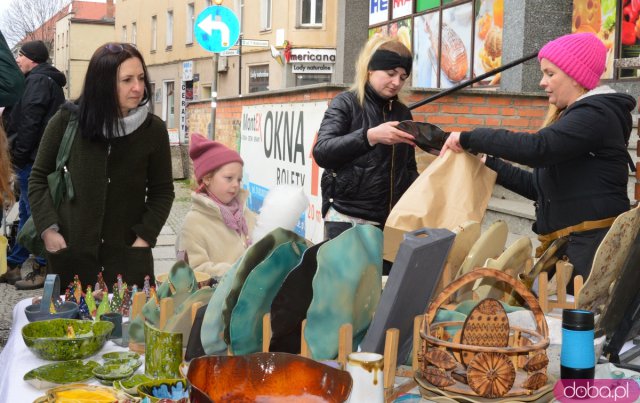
<point x="134" y="363"/>
<point x="117" y="355"/>
<point x="258" y="291"/>
<point x="289" y="307"/>
<point x="60" y="373"/>
<point x="130" y="385"/>
<point x="346" y="289"/>
<point x="111" y="372"/>
<point x="274" y="239"/>
<point x="213" y="325"/>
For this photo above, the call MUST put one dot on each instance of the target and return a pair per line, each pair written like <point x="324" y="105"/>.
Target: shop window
<point x="307" y="79"/>
<point x="169" y="105"/>
<point x="258" y="78"/>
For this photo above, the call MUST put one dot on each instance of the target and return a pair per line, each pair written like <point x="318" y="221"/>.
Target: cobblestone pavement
<point x="9" y="296"/>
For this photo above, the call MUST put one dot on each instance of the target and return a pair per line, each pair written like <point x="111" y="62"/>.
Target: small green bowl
<point x="130" y="362"/>
<point x="48" y="339"/>
<point x="111" y="372"/>
<point x="153" y="388"/>
<point x="130" y="385"/>
<point x="117" y="355"/>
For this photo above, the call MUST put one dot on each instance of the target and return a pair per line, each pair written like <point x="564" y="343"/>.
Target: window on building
<point x="134" y="33"/>
<point x="154" y="33"/>
<point x="311" y="12"/>
<point x="169" y="37"/>
<point x="153" y="93"/>
<point x="265" y="15"/>
<point x="238" y="7"/>
<point x="124" y="33"/>
<point x="190" y="22"/>
<point x="169" y="105"/>
<point x="259" y="78"/>
<point x="306" y="79"/>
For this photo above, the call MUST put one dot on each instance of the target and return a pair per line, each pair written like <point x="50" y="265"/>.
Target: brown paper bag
<point x="453" y="189"/>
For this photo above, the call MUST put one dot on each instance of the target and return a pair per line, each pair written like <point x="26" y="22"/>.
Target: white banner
<point x="378" y="11"/>
<point x="402" y="8"/>
<point x="276" y="145"/>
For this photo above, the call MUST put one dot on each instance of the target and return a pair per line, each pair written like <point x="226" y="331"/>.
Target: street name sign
<point x="258" y="43"/>
<point x="217" y="28"/>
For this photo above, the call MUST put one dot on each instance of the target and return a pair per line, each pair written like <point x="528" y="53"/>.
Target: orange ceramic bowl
<point x="266" y="377"/>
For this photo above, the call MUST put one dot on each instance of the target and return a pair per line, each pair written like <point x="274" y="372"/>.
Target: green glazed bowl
<point x="48" y="339"/>
<point x="169" y="390"/>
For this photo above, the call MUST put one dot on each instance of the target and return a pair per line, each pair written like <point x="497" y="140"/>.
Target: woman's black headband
<point x="389" y="60"/>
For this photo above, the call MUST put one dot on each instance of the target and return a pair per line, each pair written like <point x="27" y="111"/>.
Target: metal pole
<point x="472" y="81"/>
<point x="240" y="65"/>
<point x="214" y="95"/>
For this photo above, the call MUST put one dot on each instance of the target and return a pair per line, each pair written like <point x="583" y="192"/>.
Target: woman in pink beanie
<point x="579" y="157"/>
<point x="216" y="230"/>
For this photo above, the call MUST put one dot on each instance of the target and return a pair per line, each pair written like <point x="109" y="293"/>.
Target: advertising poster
<point x="276" y="145"/>
<point x="402" y="30"/>
<point x="599" y="17"/>
<point x="425" y="39"/>
<point x="381" y="30"/>
<point x="488" y="39"/>
<point x="455" y="60"/>
<point x="378" y="11"/>
<point x="401" y="8"/>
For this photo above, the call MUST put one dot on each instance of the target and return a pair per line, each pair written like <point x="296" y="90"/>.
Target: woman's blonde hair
<point x="6" y="191"/>
<point x="362" y="64"/>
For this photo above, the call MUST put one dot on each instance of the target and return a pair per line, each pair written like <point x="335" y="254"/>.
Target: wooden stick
<point x="345" y="343"/>
<point x="139" y="299"/>
<point x="304" y="347"/>
<point x="166" y="311"/>
<point x="266" y="332"/>
<point x="194" y="310"/>
<point x="390" y="357"/>
<point x="561" y="290"/>
<point x="543" y="297"/>
<point x="417" y="343"/>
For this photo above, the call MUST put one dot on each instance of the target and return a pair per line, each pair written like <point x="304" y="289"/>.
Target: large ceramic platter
<point x="489" y="245"/>
<point x="608" y="261"/>
<point x="213" y="325"/>
<point x="256" y="296"/>
<point x="466" y="235"/>
<point x="513" y="260"/>
<point x="289" y="307"/>
<point x="60" y="373"/>
<point x="346" y="289"/>
<point x="253" y="259"/>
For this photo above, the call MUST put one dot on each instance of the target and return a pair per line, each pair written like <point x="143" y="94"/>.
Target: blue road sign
<point x="217" y="28"/>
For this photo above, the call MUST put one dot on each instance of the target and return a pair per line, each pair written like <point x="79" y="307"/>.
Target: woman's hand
<point x="452" y="143"/>
<point x="386" y="133"/>
<point x="53" y="241"/>
<point x="140" y="243"/>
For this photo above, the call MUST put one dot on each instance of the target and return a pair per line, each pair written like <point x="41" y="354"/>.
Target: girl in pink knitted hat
<point x="216" y="230"/>
<point x="579" y="157"/>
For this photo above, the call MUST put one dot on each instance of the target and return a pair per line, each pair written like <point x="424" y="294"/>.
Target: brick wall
<point x="461" y="111"/>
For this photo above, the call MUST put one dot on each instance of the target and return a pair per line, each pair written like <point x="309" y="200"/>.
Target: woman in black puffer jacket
<point x="368" y="162"/>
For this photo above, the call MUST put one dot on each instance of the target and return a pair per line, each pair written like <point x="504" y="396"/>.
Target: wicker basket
<point x="516" y="367"/>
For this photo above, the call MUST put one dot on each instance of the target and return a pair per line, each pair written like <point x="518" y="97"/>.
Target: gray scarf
<point x="132" y="121"/>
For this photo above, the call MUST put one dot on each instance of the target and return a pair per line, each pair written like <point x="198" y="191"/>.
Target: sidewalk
<point x="164" y="257"/>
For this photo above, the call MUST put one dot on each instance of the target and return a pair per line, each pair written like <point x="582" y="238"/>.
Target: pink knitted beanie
<point x="208" y="155"/>
<point x="581" y="56"/>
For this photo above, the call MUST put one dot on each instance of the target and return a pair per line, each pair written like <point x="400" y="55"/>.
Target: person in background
<point x="120" y="167"/>
<point x="579" y="157"/>
<point x="216" y="231"/>
<point x="368" y="163"/>
<point x="42" y="97"/>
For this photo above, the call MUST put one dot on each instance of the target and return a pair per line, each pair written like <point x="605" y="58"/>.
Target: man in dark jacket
<point x="42" y="96"/>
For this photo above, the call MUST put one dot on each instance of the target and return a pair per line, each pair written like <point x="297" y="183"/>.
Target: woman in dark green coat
<point x="120" y="166"/>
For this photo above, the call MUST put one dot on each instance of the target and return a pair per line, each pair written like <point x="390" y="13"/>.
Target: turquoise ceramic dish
<point x="48" y="339"/>
<point x="346" y="289"/>
<point x="213" y="325"/>
<point x="60" y="373"/>
<point x="257" y="293"/>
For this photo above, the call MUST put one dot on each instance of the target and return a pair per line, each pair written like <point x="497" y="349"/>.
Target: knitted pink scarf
<point x="232" y="214"/>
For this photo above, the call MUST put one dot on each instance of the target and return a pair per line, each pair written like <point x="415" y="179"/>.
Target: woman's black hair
<point x="99" y="111"/>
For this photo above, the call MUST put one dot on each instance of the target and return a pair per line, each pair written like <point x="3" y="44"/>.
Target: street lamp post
<point x="214" y="87"/>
